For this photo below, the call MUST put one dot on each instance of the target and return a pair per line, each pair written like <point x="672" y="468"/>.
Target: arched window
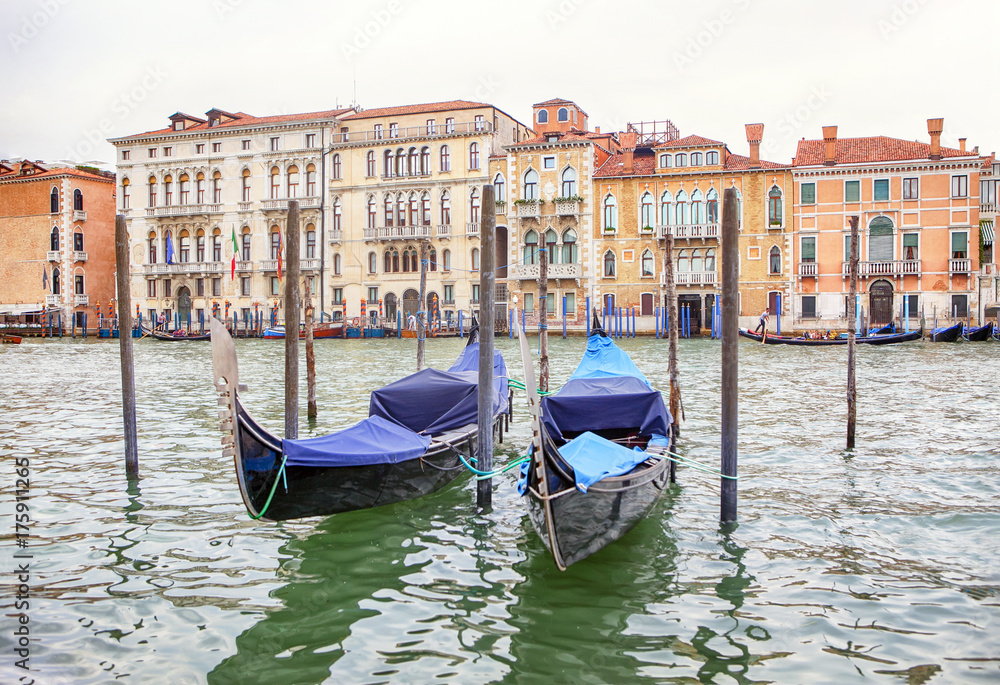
<point x="473" y="156"/>
<point x="372" y="263"/>
<point x="880" y="239"/>
<point x="647" y="263"/>
<point x="184" y="242"/>
<point x="446" y="260"/>
<point x="550" y="246"/>
<point x="499" y="194"/>
<point x="400" y="210"/>
<point x="569" y="252"/>
<point x="54" y="200"/>
<point x="666" y="208"/>
<point x="406" y="260"/>
<point x="445" y="208"/>
<point x="646" y="211"/>
<point x="774" y="206"/>
<point x="199" y="188"/>
<point x="151" y="239"/>
<point x="395" y="260"/>
<point x="710" y="260"/>
<point x="562" y="114"/>
<point x="568" y="182"/>
<point x="712" y="206"/>
<point x="697" y="207"/>
<point x="696" y="263"/>
<point x="310" y="241"/>
<point x="774" y="261"/>
<point x="217" y="244"/>
<point x="337" y="264"/>
<point x="680" y="159"/>
<point x="414" y="266"/>
<point x="401" y="162"/>
<point x="338" y="212"/>
<point x="54" y="239"/>
<point x="183" y="189"/>
<point x="682" y="213"/>
<point x="168" y="190"/>
<point x="413" y="163"/>
<point x="412" y="216"/>
<point x="610" y="213"/>
<point x="335" y="167"/>
<point x="311" y="180"/>
<point x="609" y="264"/>
<point x="78" y="240"/>
<point x="388" y="213"/>
<point x="275" y="242"/>
<point x="370" y="164"/>
<point x="475" y="259"/>
<point x="711" y="157"/>
<point x="683" y="261"/>
<point x="275" y="183"/>
<point x="474" y="206"/>
<point x="152" y="191"/>
<point x="245" y="247"/>
<point x="531" y="185"/>
<point x="293" y="181"/>
<point x="425" y="161"/>
<point x="56" y="287"/>
<point x="666" y="160"/>
<point x="387" y="262"/>
<point x="199" y="245"/>
<point x="696" y="159"/>
<point x="387" y="164"/>
<point x="432" y="264"/>
<point x="543" y="116"/>
<point x="530" y="248"/>
<point x="425" y="209"/>
<point x="217" y="188"/>
<point x="445" y="158"/>
<point x="78" y="200"/>
<point x="245" y="187"/>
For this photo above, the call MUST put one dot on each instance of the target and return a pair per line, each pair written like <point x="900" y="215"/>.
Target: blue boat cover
<point x="372" y="441"/>
<point x="593" y="458"/>
<point x="433" y="402"/>
<point x="603" y="358"/>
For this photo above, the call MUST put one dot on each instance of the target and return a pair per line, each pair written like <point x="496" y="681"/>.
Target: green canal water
<point x="877" y="565"/>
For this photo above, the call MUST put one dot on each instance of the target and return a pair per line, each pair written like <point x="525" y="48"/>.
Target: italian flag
<point x="236" y="249"/>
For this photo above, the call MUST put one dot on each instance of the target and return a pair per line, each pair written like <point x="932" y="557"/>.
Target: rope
<point x="274" y="488"/>
<point x="696" y="465"/>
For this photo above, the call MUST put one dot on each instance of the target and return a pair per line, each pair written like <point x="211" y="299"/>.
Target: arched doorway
<point x="183" y="302"/>
<point x="390" y="307"/>
<point x="411" y="302"/>
<point x="880" y="303"/>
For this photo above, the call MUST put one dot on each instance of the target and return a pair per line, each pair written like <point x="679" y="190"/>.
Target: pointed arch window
<point x="372" y="212"/>
<point x="531" y="185"/>
<point x="697" y="207"/>
<point x="474" y="206"/>
<point x="54" y="201"/>
<point x="550" y="246"/>
<point x="54" y="239"/>
<point x="530" y="248"/>
<point x="682" y="210"/>
<point x="683" y="261"/>
<point x="774" y="261"/>
<point x="774" y="206"/>
<point x="336" y="167"/>
<point x="338" y="212"/>
<point x="666" y="208"/>
<point x="499" y="194"/>
<point x="710" y="260"/>
<point x="609" y="264"/>
<point x="388" y="213"/>
<point x="568" y="182"/>
<point x="425" y="209"/>
<point x="445" y="208"/>
<point x="712" y="206"/>
<point x="400" y="210"/>
<point x="569" y="250"/>
<point x="413" y="217"/>
<point x="646" y="211"/>
<point x="78" y="200"/>
<point x="647" y="263"/>
<point x="432" y="264"/>
<point x="387" y="261"/>
<point x="56" y="287"/>
<point x="696" y="263"/>
<point x="609" y="214"/>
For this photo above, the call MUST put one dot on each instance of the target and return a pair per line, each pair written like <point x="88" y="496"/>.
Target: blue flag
<point x="170" y="249"/>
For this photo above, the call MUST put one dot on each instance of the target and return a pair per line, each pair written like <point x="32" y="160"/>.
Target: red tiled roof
<point x="567" y="137"/>
<point x="554" y="101"/>
<point x="642" y="165"/>
<point x="415" y="109"/>
<point x="868" y="149"/>
<point x="741" y="163"/>
<point x="61" y="171"/>
<point x="245" y="119"/>
<point x="689" y="141"/>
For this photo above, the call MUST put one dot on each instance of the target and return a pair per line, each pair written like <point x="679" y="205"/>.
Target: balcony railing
<point x="500" y="207"/>
<point x="282" y="203"/>
<point x="987" y="207"/>
<point x="472" y="228"/>
<point x="336" y="236"/>
<point x="269" y="265"/>
<point x="530" y="272"/>
<point x="528" y="210"/>
<point x="706" y="230"/>
<point x="889" y="267"/>
<point x="184" y="210"/>
<point x="81" y="300"/>
<point x="244" y="266"/>
<point x="959" y="266"/>
<point x="695" y="278"/>
<point x="444" y="230"/>
<point x="53" y="255"/>
<point x="567" y="208"/>
<point x="808" y="269"/>
<point x="309" y="264"/>
<point x="397" y="232"/>
<point x="436" y="131"/>
<point x="79" y="215"/>
<point x="53" y="300"/>
<point x="79" y="256"/>
<point x="161" y="269"/>
<point x="245" y="206"/>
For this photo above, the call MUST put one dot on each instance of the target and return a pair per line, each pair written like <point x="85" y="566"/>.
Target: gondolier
<point x="762" y="324"/>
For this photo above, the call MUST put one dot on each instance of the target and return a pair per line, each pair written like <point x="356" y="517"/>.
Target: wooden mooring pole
<point x="292" y="321"/>
<point x="730" y="352"/>
<point x="487" y="281"/>
<point x="543" y="320"/>
<point x="670" y="304"/>
<point x="310" y="356"/>
<point x="852" y="409"/>
<point x="125" y="347"/>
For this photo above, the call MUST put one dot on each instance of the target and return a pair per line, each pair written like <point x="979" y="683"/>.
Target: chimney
<point x="961" y="144"/>
<point x="830" y="144"/>
<point x="627" y="140"/>
<point x="934" y="128"/>
<point x="597" y="129"/>
<point x="755" y="132"/>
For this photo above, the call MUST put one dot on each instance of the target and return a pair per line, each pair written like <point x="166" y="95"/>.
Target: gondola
<point x="320" y="330"/>
<point x="410" y="445"/>
<point x="811" y="342"/>
<point x="597" y="446"/>
<point x="179" y="334"/>
<point x="946" y="333"/>
<point x="7" y="338"/>
<point x="978" y="334"/>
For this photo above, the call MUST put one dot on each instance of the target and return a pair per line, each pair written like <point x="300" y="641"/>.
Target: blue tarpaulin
<point x="595" y="404"/>
<point x="372" y="441"/>
<point x="603" y="358"/>
<point x="593" y="458"/>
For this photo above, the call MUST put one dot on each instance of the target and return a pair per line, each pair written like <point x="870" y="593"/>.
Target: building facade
<point x="57" y="241"/>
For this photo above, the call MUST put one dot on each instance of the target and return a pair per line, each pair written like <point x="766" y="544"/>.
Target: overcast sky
<point x="76" y="72"/>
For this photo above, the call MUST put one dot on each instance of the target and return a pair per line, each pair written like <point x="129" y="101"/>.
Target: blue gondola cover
<point x="604" y="358"/>
<point x="593" y="458"/>
<point x="372" y="441"/>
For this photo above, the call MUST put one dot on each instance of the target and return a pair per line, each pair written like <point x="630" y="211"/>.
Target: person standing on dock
<point x="411" y="323"/>
<point x="762" y="324"/>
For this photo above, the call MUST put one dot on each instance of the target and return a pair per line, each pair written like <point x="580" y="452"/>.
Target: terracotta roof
<point x="741" y="163"/>
<point x="689" y="141"/>
<point x="869" y="149"/>
<point x="245" y="119"/>
<point x="643" y="164"/>
<point x="61" y="171"/>
<point x="415" y="109"/>
<point x="554" y="101"/>
<point x="567" y="137"/>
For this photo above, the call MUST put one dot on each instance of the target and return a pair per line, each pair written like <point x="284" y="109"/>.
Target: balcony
<point x="244" y="207"/>
<point x="695" y="278"/>
<point x="79" y="215"/>
<point x="184" y="210"/>
<point x="436" y="131"/>
<point x="500" y="207"/>
<point x="160" y="269"/>
<point x="281" y="204"/>
<point x="567" y="207"/>
<point x="269" y="265"/>
<point x="808" y="269"/>
<point x="959" y="266"/>
<point x="528" y="210"/>
<point x="530" y="272"/>
<point x="79" y="256"/>
<point x="53" y="300"/>
<point x="309" y="264"/>
<point x="444" y="230"/>
<point x="336" y="236"/>
<point x="53" y="255"/>
<point x="81" y="300"/>
<point x="707" y="230"/>
<point x="987" y="208"/>
<point x="472" y="228"/>
<point x="887" y="268"/>
<point x="397" y="232"/>
<point x="244" y="267"/>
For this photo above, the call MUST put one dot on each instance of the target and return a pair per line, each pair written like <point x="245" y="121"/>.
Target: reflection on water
<point x="878" y="564"/>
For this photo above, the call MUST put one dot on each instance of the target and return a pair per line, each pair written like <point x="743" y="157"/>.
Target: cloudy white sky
<point x="76" y="72"/>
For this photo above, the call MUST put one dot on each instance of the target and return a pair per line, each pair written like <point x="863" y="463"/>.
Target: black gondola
<point x="813" y="342"/>
<point x="979" y="333"/>
<point x="597" y="448"/>
<point x="946" y="333"/>
<point x="179" y="334"/>
<point x="409" y="446"/>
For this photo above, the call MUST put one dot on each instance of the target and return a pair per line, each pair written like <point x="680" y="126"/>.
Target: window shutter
<point x="809" y="249"/>
<point x="852" y="191"/>
<point x="958" y="241"/>
<point x="808" y="193"/>
<point x="910" y="240"/>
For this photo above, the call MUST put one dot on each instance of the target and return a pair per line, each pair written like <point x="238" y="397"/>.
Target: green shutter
<point x="852" y="191"/>
<point x="881" y="190"/>
<point x="909" y="240"/>
<point x="808" y="193"/>
<point x="809" y="249"/>
<point x="847" y="248"/>
<point x="959" y="241"/>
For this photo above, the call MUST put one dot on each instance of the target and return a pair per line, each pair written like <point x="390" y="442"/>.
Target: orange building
<point x="57" y="241"/>
<point x="919" y="231"/>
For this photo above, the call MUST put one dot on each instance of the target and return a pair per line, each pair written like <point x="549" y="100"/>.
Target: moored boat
<point x="6" y="338"/>
<point x="320" y="330"/>
<point x="418" y="430"/>
<point x="179" y="334"/>
<point x="978" y="333"/>
<point x="880" y="339"/>
<point x="596" y="464"/>
<point x="946" y="333"/>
